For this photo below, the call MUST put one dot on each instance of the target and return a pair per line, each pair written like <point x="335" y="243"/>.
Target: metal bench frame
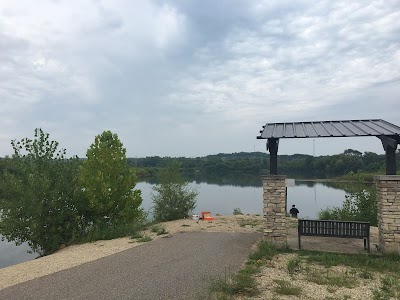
<point x="340" y="229"/>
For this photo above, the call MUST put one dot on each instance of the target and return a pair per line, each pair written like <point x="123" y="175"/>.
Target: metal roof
<point x="349" y="128"/>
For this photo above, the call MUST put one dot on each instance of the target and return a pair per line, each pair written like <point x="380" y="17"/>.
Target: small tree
<point x="39" y="195"/>
<point x="174" y="199"/>
<point x="108" y="183"/>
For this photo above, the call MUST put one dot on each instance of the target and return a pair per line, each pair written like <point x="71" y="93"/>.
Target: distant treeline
<point x="257" y="163"/>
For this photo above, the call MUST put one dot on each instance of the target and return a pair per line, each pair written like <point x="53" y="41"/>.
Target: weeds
<point x="237" y="211"/>
<point x="344" y="280"/>
<point x="294" y="265"/>
<point x="249" y="222"/>
<point x="284" y="287"/>
<point x="158" y="229"/>
<point x="144" y="239"/>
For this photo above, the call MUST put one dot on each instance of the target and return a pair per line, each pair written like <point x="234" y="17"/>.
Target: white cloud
<point x="183" y="75"/>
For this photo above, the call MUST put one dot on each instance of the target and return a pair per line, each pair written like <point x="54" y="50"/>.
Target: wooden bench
<point x="341" y="229"/>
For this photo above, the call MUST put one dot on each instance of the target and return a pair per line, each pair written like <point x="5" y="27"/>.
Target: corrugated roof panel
<point x="289" y="130"/>
<point x="279" y="130"/>
<point x="299" y="130"/>
<point x="368" y="128"/>
<point x="330" y="129"/>
<point x="309" y="130"/>
<point x="384" y="126"/>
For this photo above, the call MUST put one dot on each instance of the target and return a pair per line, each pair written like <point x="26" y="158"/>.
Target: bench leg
<point x="366" y="245"/>
<point x="299" y="242"/>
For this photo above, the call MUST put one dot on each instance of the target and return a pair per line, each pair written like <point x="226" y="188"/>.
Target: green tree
<point x="108" y="184"/>
<point x="39" y="196"/>
<point x="174" y="199"/>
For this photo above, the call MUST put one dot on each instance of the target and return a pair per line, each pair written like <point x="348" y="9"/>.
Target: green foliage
<point x="360" y="205"/>
<point x="174" y="199"/>
<point x="39" y="195"/>
<point x="108" y="184"/>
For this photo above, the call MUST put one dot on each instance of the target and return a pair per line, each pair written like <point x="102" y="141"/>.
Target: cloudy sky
<point x="191" y="78"/>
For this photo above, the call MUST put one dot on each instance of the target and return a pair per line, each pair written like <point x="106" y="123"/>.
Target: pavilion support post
<point x="388" y="201"/>
<point x="390" y="146"/>
<point x="272" y="146"/>
<point x="390" y="155"/>
<point x="274" y="194"/>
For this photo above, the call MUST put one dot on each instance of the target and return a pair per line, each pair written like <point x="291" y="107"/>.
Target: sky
<point x="192" y="78"/>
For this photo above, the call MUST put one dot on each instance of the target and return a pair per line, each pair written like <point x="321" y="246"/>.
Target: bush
<point x="359" y="205"/>
<point x="174" y="199"/>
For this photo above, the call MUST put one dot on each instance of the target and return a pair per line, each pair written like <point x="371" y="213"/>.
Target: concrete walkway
<point x="179" y="267"/>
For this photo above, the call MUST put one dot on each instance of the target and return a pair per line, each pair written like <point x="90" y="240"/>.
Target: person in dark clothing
<point x="294" y="211"/>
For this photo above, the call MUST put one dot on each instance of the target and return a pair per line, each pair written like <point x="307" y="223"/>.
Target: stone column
<point x="388" y="198"/>
<point x="274" y="194"/>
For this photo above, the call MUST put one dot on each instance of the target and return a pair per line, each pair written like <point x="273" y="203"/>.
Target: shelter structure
<point x="388" y="133"/>
<point x="388" y="186"/>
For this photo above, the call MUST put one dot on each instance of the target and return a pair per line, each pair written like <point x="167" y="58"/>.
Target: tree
<point x="174" y="199"/>
<point x="39" y="195"/>
<point x="108" y="183"/>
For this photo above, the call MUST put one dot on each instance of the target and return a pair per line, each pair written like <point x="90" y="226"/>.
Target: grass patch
<point x="105" y="232"/>
<point x="158" y="229"/>
<point x="185" y="225"/>
<point x="294" y="265"/>
<point x="389" y="289"/>
<point x="385" y="263"/>
<point x="144" y="239"/>
<point x="343" y="280"/>
<point x="248" y="222"/>
<point x="284" y="287"/>
<point x="137" y="235"/>
<point x="242" y="283"/>
<point x="265" y="250"/>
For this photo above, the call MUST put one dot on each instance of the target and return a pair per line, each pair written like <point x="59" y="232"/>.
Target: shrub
<point x="174" y="199"/>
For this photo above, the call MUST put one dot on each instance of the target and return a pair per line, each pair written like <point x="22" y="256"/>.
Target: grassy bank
<point x="281" y="273"/>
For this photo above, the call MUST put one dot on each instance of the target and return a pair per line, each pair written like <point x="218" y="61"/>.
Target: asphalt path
<point x="178" y="267"/>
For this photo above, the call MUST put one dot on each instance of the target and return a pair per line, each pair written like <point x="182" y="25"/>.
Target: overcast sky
<point x="191" y="78"/>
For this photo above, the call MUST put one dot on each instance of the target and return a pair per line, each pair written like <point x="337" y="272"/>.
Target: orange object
<point x="206" y="216"/>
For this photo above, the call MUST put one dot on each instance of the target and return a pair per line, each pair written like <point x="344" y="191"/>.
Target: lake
<point x="222" y="198"/>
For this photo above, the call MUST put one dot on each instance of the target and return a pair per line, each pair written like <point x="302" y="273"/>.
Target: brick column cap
<point x="275" y="176"/>
<point x="387" y="177"/>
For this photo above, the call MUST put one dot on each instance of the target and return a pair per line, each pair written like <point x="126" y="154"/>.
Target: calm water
<point x="309" y="198"/>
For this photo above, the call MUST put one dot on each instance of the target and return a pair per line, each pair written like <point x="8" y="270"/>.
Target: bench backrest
<point x="334" y="228"/>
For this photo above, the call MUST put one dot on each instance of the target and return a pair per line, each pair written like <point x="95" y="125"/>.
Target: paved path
<point x="178" y="267"/>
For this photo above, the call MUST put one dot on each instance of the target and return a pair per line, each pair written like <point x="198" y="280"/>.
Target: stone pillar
<point x="388" y="198"/>
<point x="274" y="194"/>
